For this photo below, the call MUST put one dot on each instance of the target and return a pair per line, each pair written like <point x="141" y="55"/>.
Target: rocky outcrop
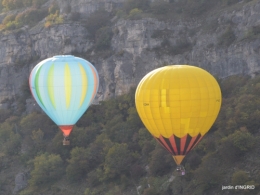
<point x="86" y="7"/>
<point x="20" y="182"/>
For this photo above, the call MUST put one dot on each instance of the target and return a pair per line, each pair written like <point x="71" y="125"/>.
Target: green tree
<point x="12" y="146"/>
<point x="38" y="141"/>
<point x="96" y="21"/>
<point x="78" y="164"/>
<point x="5" y="131"/>
<point x="47" y="168"/>
<point x="82" y="137"/>
<point x="207" y="176"/>
<point x="117" y="161"/>
<point x="35" y="121"/>
<point x="239" y="178"/>
<point x="30" y="17"/>
<point x="161" y="162"/>
<point x="103" y="38"/>
<point x="241" y="139"/>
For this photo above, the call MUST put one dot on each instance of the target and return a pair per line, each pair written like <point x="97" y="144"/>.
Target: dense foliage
<point x="111" y="151"/>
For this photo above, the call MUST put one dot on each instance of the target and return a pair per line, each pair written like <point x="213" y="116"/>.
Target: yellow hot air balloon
<point x="178" y="104"/>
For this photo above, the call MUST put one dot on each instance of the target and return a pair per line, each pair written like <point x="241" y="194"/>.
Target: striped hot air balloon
<point x="64" y="87"/>
<point x="178" y="104"/>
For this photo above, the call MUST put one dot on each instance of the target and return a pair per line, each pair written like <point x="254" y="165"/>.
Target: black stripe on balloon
<point x="163" y="144"/>
<point x="188" y="139"/>
<point x="178" y="144"/>
<point x="169" y="145"/>
<point x="196" y="140"/>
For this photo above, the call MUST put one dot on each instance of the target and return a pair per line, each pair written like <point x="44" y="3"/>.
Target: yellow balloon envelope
<point x="178" y="104"/>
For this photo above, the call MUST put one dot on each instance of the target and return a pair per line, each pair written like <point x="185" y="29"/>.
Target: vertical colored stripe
<point x="84" y="82"/>
<point x="183" y="142"/>
<point x="188" y="140"/>
<point x="95" y="82"/>
<point x="37" y="89"/>
<point x="30" y="84"/>
<point x="50" y="85"/>
<point x="157" y="139"/>
<point x="191" y="143"/>
<point x="173" y="143"/>
<point x="165" y="144"/>
<point x="68" y="82"/>
<point x="197" y="141"/>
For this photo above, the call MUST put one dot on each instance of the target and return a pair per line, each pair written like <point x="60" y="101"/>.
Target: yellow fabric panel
<point x="178" y="99"/>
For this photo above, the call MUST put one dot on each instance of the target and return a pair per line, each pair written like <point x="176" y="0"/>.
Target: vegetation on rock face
<point x="112" y="152"/>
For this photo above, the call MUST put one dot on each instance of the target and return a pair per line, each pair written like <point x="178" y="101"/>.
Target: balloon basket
<point x="180" y="170"/>
<point x="66" y="141"/>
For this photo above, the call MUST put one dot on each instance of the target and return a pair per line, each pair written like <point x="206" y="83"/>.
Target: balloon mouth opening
<point x="178" y="159"/>
<point x="66" y="129"/>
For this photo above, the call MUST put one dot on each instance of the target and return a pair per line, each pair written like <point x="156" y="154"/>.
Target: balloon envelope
<point x="64" y="87"/>
<point x="178" y="104"/>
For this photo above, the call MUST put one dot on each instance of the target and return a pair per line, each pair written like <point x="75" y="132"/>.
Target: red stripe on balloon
<point x="183" y="142"/>
<point x="165" y="144"/>
<point x="173" y="143"/>
<point x="196" y="142"/>
<point x="95" y="82"/>
<point x="191" y="143"/>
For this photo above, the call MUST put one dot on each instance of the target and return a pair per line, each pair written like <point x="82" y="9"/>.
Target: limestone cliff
<point x="225" y="43"/>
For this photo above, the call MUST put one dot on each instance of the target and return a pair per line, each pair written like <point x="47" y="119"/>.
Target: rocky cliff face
<point x="225" y="44"/>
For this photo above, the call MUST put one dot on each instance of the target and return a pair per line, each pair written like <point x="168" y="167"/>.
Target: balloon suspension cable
<point x="180" y="170"/>
<point x="66" y="140"/>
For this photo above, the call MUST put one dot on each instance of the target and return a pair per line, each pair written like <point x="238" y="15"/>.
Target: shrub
<point x="243" y="140"/>
<point x="103" y="38"/>
<point x="135" y="14"/>
<point x="181" y="46"/>
<point x="253" y="32"/>
<point x="117" y="161"/>
<point x="30" y="17"/>
<point x="140" y="4"/>
<point x="38" y="3"/>
<point x="52" y="19"/>
<point x="27" y="3"/>
<point x="8" y="18"/>
<point x="4" y="114"/>
<point x="78" y="164"/>
<point x="12" y="4"/>
<point x="227" y="38"/>
<point x="120" y="14"/>
<point x="199" y="7"/>
<point x="160" y="7"/>
<point x="96" y="21"/>
<point x="160" y="162"/>
<point x="239" y="178"/>
<point x="235" y="145"/>
<point x="10" y="25"/>
<point x="47" y="168"/>
<point x="53" y="8"/>
<point x="92" y="178"/>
